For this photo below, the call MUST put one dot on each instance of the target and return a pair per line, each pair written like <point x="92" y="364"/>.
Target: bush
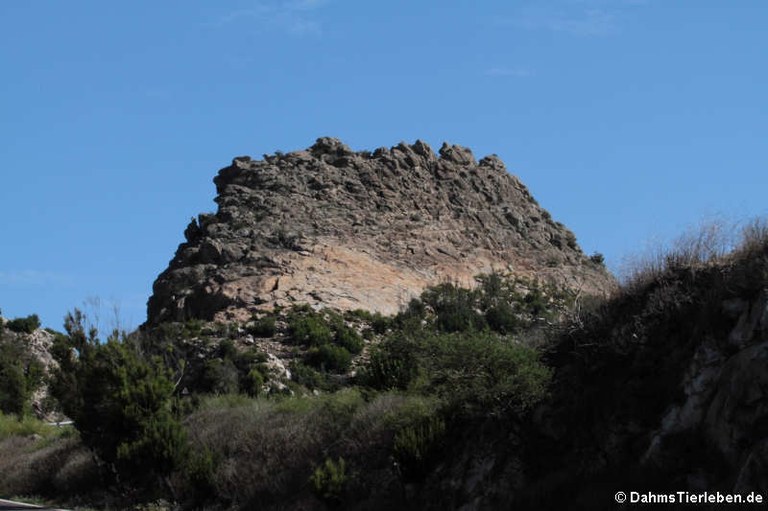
<point x="392" y="365"/>
<point x="20" y="375"/>
<point x="455" y="308"/>
<point x="380" y="324"/>
<point x="309" y="330"/>
<point x="329" y="479"/>
<point x="264" y="327"/>
<point x="220" y="376"/>
<point x="201" y="471"/>
<point x="120" y="404"/>
<point x="502" y="318"/>
<point x="13" y="425"/>
<point x="535" y="302"/>
<point x="14" y="394"/>
<point x="329" y="358"/>
<point x="348" y="339"/>
<point x="699" y="245"/>
<point x="472" y="372"/>
<point x="311" y="378"/>
<point x="753" y="238"/>
<point x="360" y="314"/>
<point x="266" y="450"/>
<point x="417" y="446"/>
<point x="227" y="350"/>
<point x="479" y="373"/>
<point x="597" y="258"/>
<point x="253" y="383"/>
<point x="24" y="325"/>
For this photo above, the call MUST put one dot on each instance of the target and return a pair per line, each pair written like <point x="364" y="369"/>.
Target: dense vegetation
<point x="20" y="372"/>
<point x="145" y="404"/>
<point x="371" y="410"/>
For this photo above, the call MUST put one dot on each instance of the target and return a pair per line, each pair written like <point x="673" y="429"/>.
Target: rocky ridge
<point x="332" y="227"/>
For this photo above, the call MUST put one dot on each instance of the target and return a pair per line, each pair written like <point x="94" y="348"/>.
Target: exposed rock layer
<point x="337" y="228"/>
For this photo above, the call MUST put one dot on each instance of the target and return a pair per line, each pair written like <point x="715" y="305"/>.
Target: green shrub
<point x="14" y="425"/>
<point x="14" y="394"/>
<point x="536" y="302"/>
<point x="311" y="378"/>
<point x="192" y="328"/>
<point x="227" y="350"/>
<point x="361" y="314"/>
<point x="455" y="308"/>
<point x="252" y="383"/>
<point x="597" y="258"/>
<point x="502" y="318"/>
<point x="121" y="403"/>
<point x="416" y="309"/>
<point x="479" y="373"/>
<point x="380" y="324"/>
<point x="329" y="479"/>
<point x="348" y="339"/>
<point x="220" y="376"/>
<point x="24" y="325"/>
<point x="264" y="327"/>
<point x="472" y="372"/>
<point x="20" y="375"/>
<point x="201" y="473"/>
<point x="417" y="446"/>
<point x="328" y="357"/>
<point x="309" y="330"/>
<point x="392" y="365"/>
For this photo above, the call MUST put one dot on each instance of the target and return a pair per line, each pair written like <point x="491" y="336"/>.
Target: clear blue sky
<point x="626" y="119"/>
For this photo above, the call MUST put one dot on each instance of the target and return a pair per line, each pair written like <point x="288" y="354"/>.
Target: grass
<point x="35" y="500"/>
<point x="11" y="425"/>
<point x="265" y="450"/>
<point x="710" y="242"/>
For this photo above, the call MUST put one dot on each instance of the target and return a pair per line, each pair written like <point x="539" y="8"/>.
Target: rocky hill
<point x="332" y="227"/>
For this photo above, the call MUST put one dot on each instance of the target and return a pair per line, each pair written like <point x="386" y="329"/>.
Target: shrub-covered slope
<point x="663" y="388"/>
<point x="510" y="395"/>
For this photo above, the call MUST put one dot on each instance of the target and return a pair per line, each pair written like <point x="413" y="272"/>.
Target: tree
<point x="24" y="325"/>
<point x="120" y="403"/>
<point x="20" y="375"/>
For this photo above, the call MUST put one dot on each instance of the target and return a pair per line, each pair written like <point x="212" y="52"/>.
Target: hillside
<point x="399" y="330"/>
<point x="659" y="389"/>
<point x="350" y="230"/>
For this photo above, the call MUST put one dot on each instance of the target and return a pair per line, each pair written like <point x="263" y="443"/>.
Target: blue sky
<point x="627" y="119"/>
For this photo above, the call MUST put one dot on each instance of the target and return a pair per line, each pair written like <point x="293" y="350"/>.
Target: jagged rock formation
<point x="332" y="227"/>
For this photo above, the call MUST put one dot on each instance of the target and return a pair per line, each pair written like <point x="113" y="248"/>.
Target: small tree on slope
<point x="120" y="403"/>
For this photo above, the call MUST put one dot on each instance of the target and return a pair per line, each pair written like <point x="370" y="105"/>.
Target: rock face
<point x="332" y="227"/>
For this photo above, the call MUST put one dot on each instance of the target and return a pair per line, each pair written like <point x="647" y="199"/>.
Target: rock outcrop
<point x="332" y="227"/>
<point x="664" y="389"/>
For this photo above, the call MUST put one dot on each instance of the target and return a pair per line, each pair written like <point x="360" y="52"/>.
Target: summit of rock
<point x="333" y="227"/>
